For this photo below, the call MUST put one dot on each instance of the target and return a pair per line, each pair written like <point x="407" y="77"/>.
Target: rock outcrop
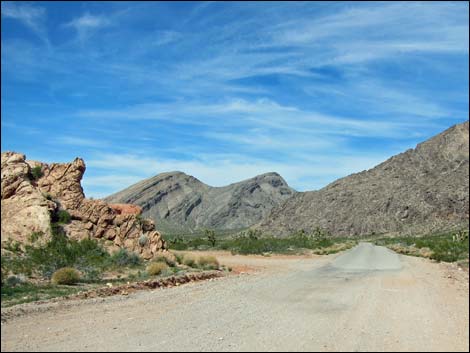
<point x="181" y="203"/>
<point x="27" y="205"/>
<point x="24" y="209"/>
<point x="422" y="190"/>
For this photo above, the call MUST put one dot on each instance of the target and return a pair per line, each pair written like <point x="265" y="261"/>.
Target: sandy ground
<point x="366" y="299"/>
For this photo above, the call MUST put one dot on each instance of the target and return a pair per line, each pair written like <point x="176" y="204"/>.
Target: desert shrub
<point x="443" y="247"/>
<point x="143" y="240"/>
<point x="63" y="217"/>
<point x="208" y="262"/>
<point x="36" y="172"/>
<point x="156" y="268"/>
<point x="211" y="238"/>
<point x="165" y="259"/>
<point x="123" y="258"/>
<point x="13" y="281"/>
<point x="66" y="275"/>
<point x="189" y="261"/>
<point x="179" y="258"/>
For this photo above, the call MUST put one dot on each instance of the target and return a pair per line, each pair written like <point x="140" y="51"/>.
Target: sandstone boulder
<point x="24" y="209"/>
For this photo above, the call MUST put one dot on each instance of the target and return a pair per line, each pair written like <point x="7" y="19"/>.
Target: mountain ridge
<point x="177" y="201"/>
<point x="423" y="189"/>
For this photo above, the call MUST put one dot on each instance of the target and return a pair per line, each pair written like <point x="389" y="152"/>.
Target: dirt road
<point x="367" y="299"/>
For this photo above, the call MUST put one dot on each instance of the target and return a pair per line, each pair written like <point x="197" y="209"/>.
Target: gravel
<point x="283" y="304"/>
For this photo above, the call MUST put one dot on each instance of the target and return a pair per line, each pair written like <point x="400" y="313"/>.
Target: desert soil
<point x="366" y="299"/>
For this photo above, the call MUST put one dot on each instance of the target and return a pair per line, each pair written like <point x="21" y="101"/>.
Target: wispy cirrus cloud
<point x="33" y="17"/>
<point x="263" y="114"/>
<point x="307" y="172"/>
<point x="224" y="91"/>
<point x="86" y="24"/>
<point x="79" y="141"/>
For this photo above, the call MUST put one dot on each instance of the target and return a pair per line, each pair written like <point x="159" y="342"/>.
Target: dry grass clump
<point x="189" y="260"/>
<point x="208" y="262"/>
<point x="156" y="268"/>
<point x="166" y="259"/>
<point x="66" y="275"/>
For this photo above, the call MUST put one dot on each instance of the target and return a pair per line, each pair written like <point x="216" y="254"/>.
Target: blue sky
<point x="225" y="91"/>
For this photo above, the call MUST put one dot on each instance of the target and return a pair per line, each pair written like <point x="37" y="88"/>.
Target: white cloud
<point x="359" y="34"/>
<point x="87" y="24"/>
<point x="262" y="113"/>
<point x="307" y="173"/>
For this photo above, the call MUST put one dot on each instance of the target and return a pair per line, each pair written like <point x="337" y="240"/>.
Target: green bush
<point x="64" y="217"/>
<point x="208" y="262"/>
<point x="36" y="172"/>
<point x="156" y="268"/>
<point x="211" y="238"/>
<point x="13" y="281"/>
<point x="66" y="275"/>
<point x="123" y="258"/>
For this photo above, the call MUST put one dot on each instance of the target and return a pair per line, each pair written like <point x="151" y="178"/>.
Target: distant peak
<point x="270" y="174"/>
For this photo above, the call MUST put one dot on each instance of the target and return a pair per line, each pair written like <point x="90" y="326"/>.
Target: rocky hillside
<point x="422" y="190"/>
<point x="180" y="202"/>
<point x="30" y="199"/>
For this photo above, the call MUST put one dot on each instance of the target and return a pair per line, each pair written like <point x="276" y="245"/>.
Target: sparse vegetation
<point x="448" y="247"/>
<point x="66" y="275"/>
<point x="27" y="268"/>
<point x="29" y="292"/>
<point x="43" y="269"/>
<point x="254" y="241"/>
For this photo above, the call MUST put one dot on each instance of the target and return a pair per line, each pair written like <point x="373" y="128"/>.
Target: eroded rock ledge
<point x="27" y="205"/>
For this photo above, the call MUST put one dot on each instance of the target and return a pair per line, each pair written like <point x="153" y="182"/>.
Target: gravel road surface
<point x="366" y="299"/>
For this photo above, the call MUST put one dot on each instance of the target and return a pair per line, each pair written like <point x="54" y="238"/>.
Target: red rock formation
<point x="125" y="208"/>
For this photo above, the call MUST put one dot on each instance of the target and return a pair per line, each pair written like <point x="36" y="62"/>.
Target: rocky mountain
<point x="422" y="190"/>
<point x="29" y="200"/>
<point x="180" y="202"/>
